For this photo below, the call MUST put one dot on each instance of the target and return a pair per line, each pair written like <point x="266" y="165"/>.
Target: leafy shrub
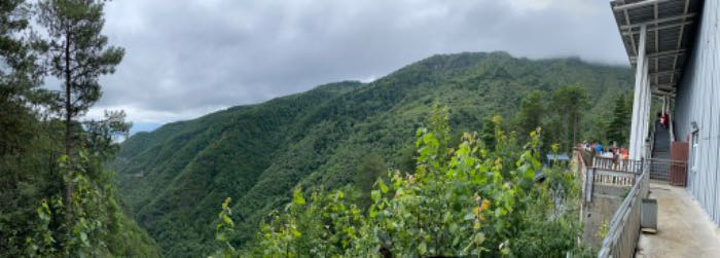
<point x="468" y="200"/>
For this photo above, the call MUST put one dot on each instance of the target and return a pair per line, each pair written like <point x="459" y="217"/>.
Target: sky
<point x="188" y="58"/>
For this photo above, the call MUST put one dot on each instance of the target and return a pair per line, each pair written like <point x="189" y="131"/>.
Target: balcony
<point x="612" y="196"/>
<point x="684" y="229"/>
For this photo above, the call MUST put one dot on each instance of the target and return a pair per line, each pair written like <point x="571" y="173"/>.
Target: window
<point x="694" y="155"/>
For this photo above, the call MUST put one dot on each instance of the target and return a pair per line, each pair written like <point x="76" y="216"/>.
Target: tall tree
<point x="569" y="102"/>
<point x="78" y="54"/>
<point x="619" y="125"/>
<point x="529" y="116"/>
<point x="20" y="169"/>
<point x="19" y="78"/>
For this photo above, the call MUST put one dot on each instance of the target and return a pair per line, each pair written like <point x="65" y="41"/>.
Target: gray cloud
<point x="187" y="58"/>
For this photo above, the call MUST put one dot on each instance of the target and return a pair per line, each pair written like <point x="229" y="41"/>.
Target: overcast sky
<point x="188" y="58"/>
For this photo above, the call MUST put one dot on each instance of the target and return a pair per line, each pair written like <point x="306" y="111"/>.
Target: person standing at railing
<point x="624" y="155"/>
<point x="615" y="155"/>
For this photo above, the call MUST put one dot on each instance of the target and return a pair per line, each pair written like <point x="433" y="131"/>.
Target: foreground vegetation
<point x="469" y="200"/>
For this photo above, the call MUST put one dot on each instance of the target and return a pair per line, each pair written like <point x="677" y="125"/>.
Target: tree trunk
<point x="68" y="138"/>
<point x="575" y="121"/>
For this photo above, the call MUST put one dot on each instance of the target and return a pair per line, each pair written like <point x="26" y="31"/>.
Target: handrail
<point x="618" y="165"/>
<point x="671" y="126"/>
<point x="624" y="228"/>
<point x="582" y="173"/>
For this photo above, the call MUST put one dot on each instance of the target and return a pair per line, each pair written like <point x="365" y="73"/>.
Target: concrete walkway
<point x="684" y="229"/>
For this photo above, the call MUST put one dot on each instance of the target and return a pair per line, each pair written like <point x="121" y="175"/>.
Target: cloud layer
<point x="187" y="58"/>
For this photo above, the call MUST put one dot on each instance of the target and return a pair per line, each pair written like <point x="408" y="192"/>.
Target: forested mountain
<point x="174" y="178"/>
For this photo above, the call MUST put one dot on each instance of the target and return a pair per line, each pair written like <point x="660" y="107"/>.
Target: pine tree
<point x="19" y="78"/>
<point x="529" y="116"/>
<point x="78" y="55"/>
<point x="618" y="127"/>
<point x="570" y="102"/>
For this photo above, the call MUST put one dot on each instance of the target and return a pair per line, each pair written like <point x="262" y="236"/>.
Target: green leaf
<point x="382" y="185"/>
<point x="469" y="216"/>
<point x="479" y="238"/>
<point x="298" y="197"/>
<point x="373" y="212"/>
<point x="221" y="237"/>
<point x="83" y="237"/>
<point x="375" y="195"/>
<point x="422" y="248"/>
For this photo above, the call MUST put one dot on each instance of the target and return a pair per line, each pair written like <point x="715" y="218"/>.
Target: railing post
<point x="589" y="180"/>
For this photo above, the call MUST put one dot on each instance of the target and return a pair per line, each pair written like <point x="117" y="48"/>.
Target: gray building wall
<point x="698" y="100"/>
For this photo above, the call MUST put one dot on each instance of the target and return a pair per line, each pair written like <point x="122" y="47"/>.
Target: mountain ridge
<point x="175" y="177"/>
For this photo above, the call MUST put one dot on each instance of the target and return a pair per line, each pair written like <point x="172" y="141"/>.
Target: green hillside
<point x="174" y="178"/>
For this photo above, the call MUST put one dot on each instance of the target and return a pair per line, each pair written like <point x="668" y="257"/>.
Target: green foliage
<point x="171" y="179"/>
<point x="531" y="112"/>
<point x="78" y="53"/>
<point x="224" y="229"/>
<point x="619" y="126"/>
<point x="33" y="174"/>
<point x="98" y="227"/>
<point x="569" y="102"/>
<point x="458" y="202"/>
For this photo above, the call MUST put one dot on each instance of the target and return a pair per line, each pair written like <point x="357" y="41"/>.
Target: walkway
<point x="684" y="229"/>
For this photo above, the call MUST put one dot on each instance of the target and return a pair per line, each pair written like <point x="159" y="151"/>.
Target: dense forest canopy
<point x="348" y="133"/>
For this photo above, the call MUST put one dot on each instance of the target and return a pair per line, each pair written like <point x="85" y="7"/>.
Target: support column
<point x="649" y="117"/>
<point x="645" y="110"/>
<point x="635" y="138"/>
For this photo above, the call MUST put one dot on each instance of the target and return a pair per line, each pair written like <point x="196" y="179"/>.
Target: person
<point x="624" y="156"/>
<point x="615" y="154"/>
<point x="661" y="119"/>
<point x="624" y="153"/>
<point x="598" y="148"/>
<point x="665" y="120"/>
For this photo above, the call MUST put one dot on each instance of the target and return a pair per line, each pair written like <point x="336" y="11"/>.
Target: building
<point x="674" y="47"/>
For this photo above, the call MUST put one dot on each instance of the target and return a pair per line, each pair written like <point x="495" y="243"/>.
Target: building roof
<point x="560" y="157"/>
<point x="670" y="26"/>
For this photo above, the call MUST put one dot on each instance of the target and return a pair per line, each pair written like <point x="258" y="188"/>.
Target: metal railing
<point x="671" y="171"/>
<point x="624" y="228"/>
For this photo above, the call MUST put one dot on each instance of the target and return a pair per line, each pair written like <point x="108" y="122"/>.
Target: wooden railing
<point x="606" y="171"/>
<point x="620" y="165"/>
<point x="582" y="173"/>
<point x="624" y="228"/>
<point x="616" y="178"/>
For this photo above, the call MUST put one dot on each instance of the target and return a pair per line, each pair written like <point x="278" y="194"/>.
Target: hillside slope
<point x="173" y="179"/>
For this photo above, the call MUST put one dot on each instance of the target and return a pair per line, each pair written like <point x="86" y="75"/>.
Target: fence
<point x="606" y="171"/>
<point x="616" y="178"/>
<point x="624" y="228"/>
<point x="621" y="165"/>
<point x="672" y="171"/>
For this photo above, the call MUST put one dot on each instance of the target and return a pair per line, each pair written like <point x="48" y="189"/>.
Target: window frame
<point x="694" y="146"/>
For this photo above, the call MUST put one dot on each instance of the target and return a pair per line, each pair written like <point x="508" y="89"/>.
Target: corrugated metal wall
<point x="698" y="100"/>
